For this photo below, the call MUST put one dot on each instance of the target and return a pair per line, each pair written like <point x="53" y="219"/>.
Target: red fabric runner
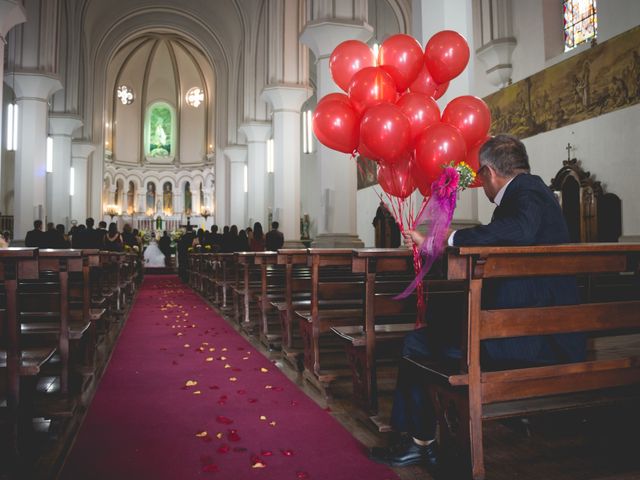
<point x="185" y="396"/>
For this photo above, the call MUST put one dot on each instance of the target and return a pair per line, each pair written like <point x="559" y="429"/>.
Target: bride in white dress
<point x="153" y="257"/>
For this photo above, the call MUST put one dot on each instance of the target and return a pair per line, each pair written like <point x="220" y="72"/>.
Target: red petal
<point x="224" y="420"/>
<point x="266" y="453"/>
<point x="302" y="475"/>
<point x="233" y="436"/>
<point x="224" y="448"/>
<point x="214" y="387"/>
<point x="210" y="468"/>
<point x="253" y="400"/>
<point x="287" y="453"/>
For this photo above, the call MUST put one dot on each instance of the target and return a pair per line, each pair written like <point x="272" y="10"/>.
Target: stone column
<point x="80" y="152"/>
<point x="32" y="93"/>
<point x="237" y="155"/>
<point x="337" y="179"/>
<point x="220" y="208"/>
<point x="61" y="128"/>
<point x="286" y="101"/>
<point x="257" y="134"/>
<point x="11" y="14"/>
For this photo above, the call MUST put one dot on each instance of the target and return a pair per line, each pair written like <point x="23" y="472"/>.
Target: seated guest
<point x="63" y="240"/>
<point x="526" y="213"/>
<point x="128" y="238"/>
<point x="35" y="237"/>
<point x="215" y="238"/>
<point x="243" y="241"/>
<point x="50" y="239"/>
<point x="113" y="239"/>
<point x="257" y="242"/>
<point x="274" y="239"/>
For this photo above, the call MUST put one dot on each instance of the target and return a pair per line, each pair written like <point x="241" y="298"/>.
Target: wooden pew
<point x="336" y="300"/>
<point x="272" y="287"/>
<point x="471" y="393"/>
<point x="245" y="310"/>
<point x="17" y="360"/>
<point x="223" y="280"/>
<point x="297" y="295"/>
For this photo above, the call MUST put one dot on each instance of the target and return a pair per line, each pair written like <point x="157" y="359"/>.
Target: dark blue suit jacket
<point x="528" y="214"/>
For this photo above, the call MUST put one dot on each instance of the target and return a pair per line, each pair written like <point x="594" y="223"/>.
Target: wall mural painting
<point x="599" y="80"/>
<point x="367" y="172"/>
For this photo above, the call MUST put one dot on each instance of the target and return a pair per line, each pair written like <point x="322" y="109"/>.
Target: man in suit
<point x="185" y="242"/>
<point x="274" y="239"/>
<point x="527" y="213"/>
<point x="35" y="237"/>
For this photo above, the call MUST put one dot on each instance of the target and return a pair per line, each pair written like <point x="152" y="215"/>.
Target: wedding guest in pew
<point x="35" y="237"/>
<point x="526" y="213"/>
<point x="113" y="240"/>
<point x="215" y="238"/>
<point x="62" y="239"/>
<point x="183" y="247"/>
<point x="257" y="242"/>
<point x="243" y="241"/>
<point x="274" y="239"/>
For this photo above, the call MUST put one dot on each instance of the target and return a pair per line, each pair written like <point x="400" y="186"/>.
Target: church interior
<point x="152" y="347"/>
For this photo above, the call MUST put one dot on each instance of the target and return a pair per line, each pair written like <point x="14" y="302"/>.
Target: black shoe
<point x="409" y="453"/>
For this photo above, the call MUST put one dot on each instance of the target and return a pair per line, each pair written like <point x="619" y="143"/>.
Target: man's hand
<point x="412" y="237"/>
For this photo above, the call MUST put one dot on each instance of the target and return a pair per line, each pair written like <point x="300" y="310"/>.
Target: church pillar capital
<point x="33" y="86"/>
<point x="324" y="35"/>
<point x="285" y="97"/>
<point x="82" y="150"/>
<point x="63" y="125"/>
<point x="256" y="131"/>
<point x="236" y="153"/>
<point x="12" y="13"/>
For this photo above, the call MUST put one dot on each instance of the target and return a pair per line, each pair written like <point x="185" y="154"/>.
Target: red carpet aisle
<point x="185" y="396"/>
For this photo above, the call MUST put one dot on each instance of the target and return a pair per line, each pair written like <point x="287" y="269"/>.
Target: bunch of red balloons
<point x="390" y="115"/>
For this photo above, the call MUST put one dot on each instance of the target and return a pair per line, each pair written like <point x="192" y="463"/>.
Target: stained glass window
<point x="580" y="22"/>
<point x="195" y="96"/>
<point x="160" y="130"/>
<point x="125" y="95"/>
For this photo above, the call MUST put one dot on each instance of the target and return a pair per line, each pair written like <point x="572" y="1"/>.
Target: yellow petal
<point x="191" y="383"/>
<point x="263" y="418"/>
<point x="219" y="435"/>
<point x="209" y="359"/>
<point x="224" y="349"/>
<point x="223" y="358"/>
<point x="258" y="465"/>
<point x="245" y="358"/>
<point x="233" y="379"/>
<point x="186" y="345"/>
<point x="179" y="334"/>
<point x="197" y="392"/>
<point x="212" y="349"/>
<point x="273" y="424"/>
<point x="268" y="387"/>
<point x="201" y="434"/>
<point x="264" y="370"/>
<point x="227" y="366"/>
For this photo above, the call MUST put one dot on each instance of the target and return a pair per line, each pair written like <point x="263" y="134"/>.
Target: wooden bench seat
<point x="472" y="391"/>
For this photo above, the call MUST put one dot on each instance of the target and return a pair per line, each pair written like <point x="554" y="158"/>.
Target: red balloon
<point x="397" y="179"/>
<point x="424" y="83"/>
<point x="470" y="115"/>
<point x="401" y="57"/>
<point x="336" y="96"/>
<point x="370" y="86"/>
<point x="441" y="90"/>
<point x="421" y="111"/>
<point x="473" y="159"/>
<point x="385" y="132"/>
<point x="423" y="183"/>
<point x="348" y="58"/>
<point x="336" y="125"/>
<point x="439" y="145"/>
<point x="446" y="55"/>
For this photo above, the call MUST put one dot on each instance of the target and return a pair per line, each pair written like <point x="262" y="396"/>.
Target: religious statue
<point x="161" y="136"/>
<point x="304" y="227"/>
<point x="151" y="196"/>
<point x="167" y="197"/>
<point x="159" y="223"/>
<point x="187" y="198"/>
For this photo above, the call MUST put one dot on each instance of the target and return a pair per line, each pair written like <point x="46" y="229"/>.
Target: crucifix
<point x="568" y="149"/>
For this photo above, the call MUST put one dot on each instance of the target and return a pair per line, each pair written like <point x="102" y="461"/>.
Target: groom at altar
<point x="526" y="213"/>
